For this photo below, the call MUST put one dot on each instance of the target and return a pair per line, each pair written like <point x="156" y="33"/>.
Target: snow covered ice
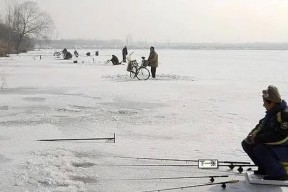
<point x="200" y="106"/>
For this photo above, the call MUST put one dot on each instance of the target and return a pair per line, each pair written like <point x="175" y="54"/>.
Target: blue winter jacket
<point x="273" y="128"/>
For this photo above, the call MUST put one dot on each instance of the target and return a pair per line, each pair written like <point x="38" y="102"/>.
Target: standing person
<point x="124" y="53"/>
<point x="76" y="53"/>
<point x="153" y="61"/>
<point x="267" y="143"/>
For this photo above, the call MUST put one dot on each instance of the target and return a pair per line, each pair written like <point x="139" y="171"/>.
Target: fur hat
<point x="272" y="94"/>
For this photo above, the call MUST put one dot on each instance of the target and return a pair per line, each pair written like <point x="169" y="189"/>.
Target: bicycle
<point x="141" y="72"/>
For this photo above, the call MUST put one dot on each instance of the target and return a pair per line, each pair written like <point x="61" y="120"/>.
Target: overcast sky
<point x="226" y="21"/>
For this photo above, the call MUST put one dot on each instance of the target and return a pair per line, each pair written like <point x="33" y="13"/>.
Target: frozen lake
<point x="200" y="106"/>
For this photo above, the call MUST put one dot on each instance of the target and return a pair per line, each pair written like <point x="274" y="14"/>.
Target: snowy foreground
<point x="200" y="106"/>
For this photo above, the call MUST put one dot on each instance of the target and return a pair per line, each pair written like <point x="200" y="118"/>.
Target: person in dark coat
<point x="66" y="54"/>
<point x="124" y="53"/>
<point x="267" y="143"/>
<point x="115" y="60"/>
<point x="76" y="53"/>
<point x="153" y="61"/>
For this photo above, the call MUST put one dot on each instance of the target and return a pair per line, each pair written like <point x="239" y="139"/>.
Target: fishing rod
<point x="212" y="178"/>
<point x="223" y="185"/>
<point x="82" y="139"/>
<point x="240" y="169"/>
<point x="174" y="159"/>
<point x="155" y="165"/>
<point x="171" y="165"/>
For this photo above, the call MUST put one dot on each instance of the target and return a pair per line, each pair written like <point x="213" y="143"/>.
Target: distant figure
<point x="76" y="53"/>
<point x="124" y="53"/>
<point x="56" y="53"/>
<point x="115" y="60"/>
<point x="153" y="61"/>
<point x="97" y="53"/>
<point x="64" y="51"/>
<point x="88" y="53"/>
<point x="66" y="54"/>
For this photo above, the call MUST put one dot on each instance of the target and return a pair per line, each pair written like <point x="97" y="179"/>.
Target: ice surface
<point x="201" y="105"/>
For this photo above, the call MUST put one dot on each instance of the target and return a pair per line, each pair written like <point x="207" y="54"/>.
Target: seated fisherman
<point x="267" y="143"/>
<point x="115" y="60"/>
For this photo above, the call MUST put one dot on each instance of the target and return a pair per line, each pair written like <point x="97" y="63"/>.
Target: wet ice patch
<point x="80" y="107"/>
<point x="5" y="107"/>
<point x="84" y="179"/>
<point x="20" y="90"/>
<point x="55" y="170"/>
<point x="83" y="164"/>
<point x="75" y="108"/>
<point x="35" y="99"/>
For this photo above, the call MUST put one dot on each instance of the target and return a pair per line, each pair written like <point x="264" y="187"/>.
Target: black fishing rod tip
<point x="240" y="169"/>
<point x="231" y="166"/>
<point x="212" y="179"/>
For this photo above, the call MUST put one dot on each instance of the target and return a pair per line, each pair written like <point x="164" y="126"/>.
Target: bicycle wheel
<point x="133" y="72"/>
<point x="143" y="73"/>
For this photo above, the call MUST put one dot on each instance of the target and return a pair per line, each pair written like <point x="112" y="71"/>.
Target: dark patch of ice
<point x="84" y="179"/>
<point x="85" y="165"/>
<point x="36" y="99"/>
<point x="3" y="159"/>
<point x="4" y="107"/>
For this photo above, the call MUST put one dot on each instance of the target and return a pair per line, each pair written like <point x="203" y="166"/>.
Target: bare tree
<point x="28" y="21"/>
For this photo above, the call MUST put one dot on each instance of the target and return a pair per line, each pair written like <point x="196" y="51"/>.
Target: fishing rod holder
<point x="208" y="164"/>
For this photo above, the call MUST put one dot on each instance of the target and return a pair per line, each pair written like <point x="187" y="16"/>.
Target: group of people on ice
<point x="115" y="60"/>
<point x="67" y="55"/>
<point x="152" y="59"/>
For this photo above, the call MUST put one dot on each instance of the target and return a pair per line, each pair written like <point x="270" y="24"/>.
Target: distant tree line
<point x="118" y="44"/>
<point x="21" y="26"/>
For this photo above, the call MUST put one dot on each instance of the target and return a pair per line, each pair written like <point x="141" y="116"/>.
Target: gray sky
<point x="226" y="21"/>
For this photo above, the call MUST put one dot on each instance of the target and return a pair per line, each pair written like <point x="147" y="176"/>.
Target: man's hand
<point x="251" y="138"/>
